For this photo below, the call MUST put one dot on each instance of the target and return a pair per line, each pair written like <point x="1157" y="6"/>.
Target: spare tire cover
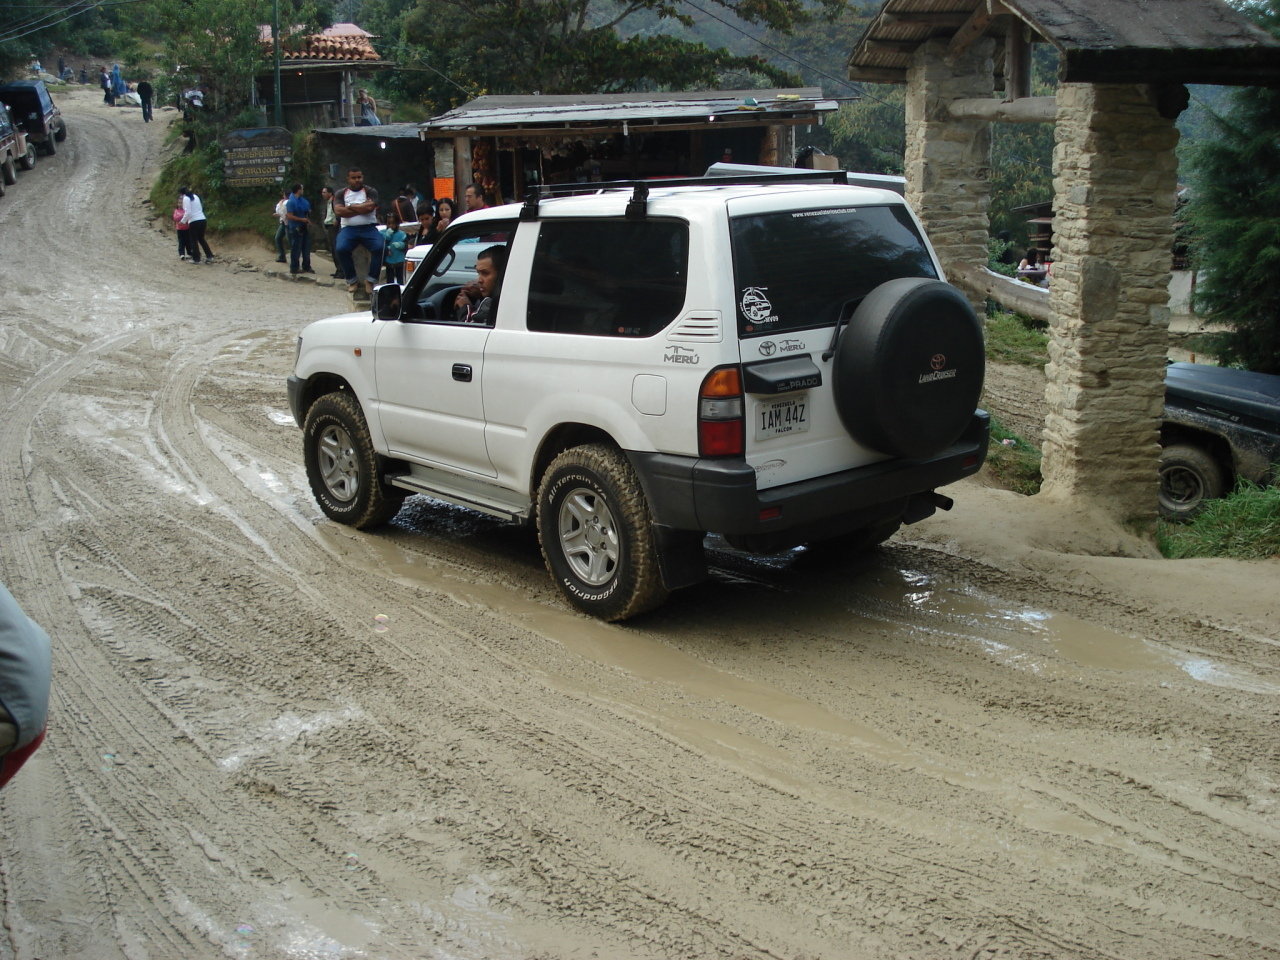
<point x="909" y="367"/>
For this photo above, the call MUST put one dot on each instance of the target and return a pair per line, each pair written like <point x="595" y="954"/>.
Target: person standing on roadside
<point x="182" y="230"/>
<point x="396" y="244"/>
<point x="193" y="217"/>
<point x="282" y="226"/>
<point x="330" y="226"/>
<point x="108" y="90"/>
<point x="145" y="93"/>
<point x="357" y="207"/>
<point x="404" y="209"/>
<point x="298" y="212"/>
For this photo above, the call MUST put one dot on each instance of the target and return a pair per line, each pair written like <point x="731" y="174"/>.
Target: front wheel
<point x="9" y="171"/>
<point x="50" y="146"/>
<point x="61" y="133"/>
<point x="1188" y="477"/>
<point x="596" y="534"/>
<point x="28" y="160"/>
<point x="343" y="466"/>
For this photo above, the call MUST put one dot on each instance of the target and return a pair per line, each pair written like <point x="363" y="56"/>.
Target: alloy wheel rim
<point x="588" y="536"/>
<point x="338" y="464"/>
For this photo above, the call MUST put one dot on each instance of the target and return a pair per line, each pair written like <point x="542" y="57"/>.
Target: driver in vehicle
<point x="477" y="301"/>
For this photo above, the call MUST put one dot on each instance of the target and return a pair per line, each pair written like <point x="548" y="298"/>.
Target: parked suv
<point x="1220" y="425"/>
<point x="35" y="112"/>
<point x="15" y="150"/>
<point x="778" y="361"/>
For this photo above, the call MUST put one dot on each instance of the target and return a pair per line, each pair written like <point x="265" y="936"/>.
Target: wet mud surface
<point x="276" y="737"/>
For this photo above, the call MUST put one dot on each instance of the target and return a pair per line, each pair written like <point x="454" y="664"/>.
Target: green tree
<point x="217" y="44"/>
<point x="869" y="135"/>
<point x="1235" y="218"/>
<point x="33" y="28"/>
<point x="456" y="49"/>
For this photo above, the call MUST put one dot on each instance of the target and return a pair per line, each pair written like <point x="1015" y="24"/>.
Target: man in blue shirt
<point x="297" y="213"/>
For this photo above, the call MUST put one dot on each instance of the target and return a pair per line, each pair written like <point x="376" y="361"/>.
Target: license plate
<point x="777" y="417"/>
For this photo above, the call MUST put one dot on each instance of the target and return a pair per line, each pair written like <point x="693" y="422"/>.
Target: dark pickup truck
<point x="1220" y="425"/>
<point x="35" y="112"/>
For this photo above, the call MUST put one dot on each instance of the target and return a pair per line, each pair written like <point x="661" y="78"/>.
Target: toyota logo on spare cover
<point x="767" y="348"/>
<point x="940" y="372"/>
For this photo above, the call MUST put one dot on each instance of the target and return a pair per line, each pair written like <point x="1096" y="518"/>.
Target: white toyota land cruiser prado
<point x="772" y="359"/>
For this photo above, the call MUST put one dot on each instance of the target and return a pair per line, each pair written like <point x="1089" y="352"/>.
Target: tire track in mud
<point x="274" y="734"/>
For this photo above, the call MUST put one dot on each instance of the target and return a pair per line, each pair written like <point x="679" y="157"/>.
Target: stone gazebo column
<point x="1115" y="179"/>
<point x="948" y="161"/>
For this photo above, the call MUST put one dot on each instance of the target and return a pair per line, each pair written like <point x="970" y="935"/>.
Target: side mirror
<point x="386" y="302"/>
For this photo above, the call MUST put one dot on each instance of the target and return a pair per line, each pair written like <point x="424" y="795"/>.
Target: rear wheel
<point x="9" y="171"/>
<point x="28" y="160"/>
<point x="343" y="467"/>
<point x="596" y="534"/>
<point x="1188" y="477"/>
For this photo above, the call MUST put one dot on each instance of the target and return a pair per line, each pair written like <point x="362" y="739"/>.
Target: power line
<point x="36" y="24"/>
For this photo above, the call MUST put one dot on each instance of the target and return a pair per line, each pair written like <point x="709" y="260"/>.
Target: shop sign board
<point x="256" y="156"/>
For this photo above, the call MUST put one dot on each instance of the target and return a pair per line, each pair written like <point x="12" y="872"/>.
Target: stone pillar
<point x="1115" y="179"/>
<point x="948" y="161"/>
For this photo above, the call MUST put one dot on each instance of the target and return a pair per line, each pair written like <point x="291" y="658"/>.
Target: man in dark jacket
<point x="145" y="93"/>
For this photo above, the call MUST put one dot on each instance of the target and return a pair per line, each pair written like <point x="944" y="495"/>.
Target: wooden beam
<point x="1017" y="61"/>
<point x="972" y="29"/>
<point x="1026" y="110"/>
<point x="1012" y="294"/>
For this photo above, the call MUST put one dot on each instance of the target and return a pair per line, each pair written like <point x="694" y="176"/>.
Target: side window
<point x="608" y="278"/>
<point x="449" y="266"/>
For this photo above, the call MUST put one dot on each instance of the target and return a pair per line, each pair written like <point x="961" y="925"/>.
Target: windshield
<point x="799" y="269"/>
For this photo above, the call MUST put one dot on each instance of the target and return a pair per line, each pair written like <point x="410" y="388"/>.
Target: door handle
<point x="462" y="371"/>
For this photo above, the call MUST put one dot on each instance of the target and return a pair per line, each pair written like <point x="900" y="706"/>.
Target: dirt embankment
<point x="276" y="737"/>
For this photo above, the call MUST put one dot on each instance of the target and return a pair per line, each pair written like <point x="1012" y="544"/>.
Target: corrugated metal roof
<point x="1101" y="41"/>
<point x="496" y="112"/>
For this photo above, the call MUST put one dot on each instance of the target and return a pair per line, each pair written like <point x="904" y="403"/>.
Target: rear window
<point x="608" y="278"/>
<point x="799" y="269"/>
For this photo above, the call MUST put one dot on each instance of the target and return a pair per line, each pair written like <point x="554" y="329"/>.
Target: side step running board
<point x="463" y="493"/>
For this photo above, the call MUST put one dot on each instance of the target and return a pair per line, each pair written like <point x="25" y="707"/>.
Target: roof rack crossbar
<point x="640" y="188"/>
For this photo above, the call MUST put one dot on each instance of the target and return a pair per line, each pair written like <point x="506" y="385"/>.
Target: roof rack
<point x="636" y="206"/>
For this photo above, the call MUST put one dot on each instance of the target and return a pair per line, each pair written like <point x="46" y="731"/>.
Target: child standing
<point x="396" y="244"/>
<point x="181" y="229"/>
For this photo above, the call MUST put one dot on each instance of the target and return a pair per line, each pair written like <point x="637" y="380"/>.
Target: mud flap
<point x="681" y="559"/>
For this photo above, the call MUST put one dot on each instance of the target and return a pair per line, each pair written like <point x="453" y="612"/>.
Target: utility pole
<point x="277" y="112"/>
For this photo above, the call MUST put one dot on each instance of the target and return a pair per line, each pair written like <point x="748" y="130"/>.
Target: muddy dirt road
<point x="274" y="737"/>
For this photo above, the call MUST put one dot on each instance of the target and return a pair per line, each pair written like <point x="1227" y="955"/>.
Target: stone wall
<point x="948" y="161"/>
<point x="1114" y="182"/>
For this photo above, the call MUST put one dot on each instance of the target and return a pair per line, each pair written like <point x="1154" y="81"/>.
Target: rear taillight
<point x="721" y="421"/>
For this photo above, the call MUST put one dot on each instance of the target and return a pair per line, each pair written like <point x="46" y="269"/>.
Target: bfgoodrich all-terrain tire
<point x="1188" y="477"/>
<point x="596" y="534"/>
<point x="343" y="466"/>
<point x="909" y="367"/>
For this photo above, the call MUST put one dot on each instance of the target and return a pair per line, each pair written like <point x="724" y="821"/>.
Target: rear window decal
<point x="756" y="307"/>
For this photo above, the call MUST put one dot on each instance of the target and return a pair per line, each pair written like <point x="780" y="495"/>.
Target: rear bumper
<point x="720" y="496"/>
